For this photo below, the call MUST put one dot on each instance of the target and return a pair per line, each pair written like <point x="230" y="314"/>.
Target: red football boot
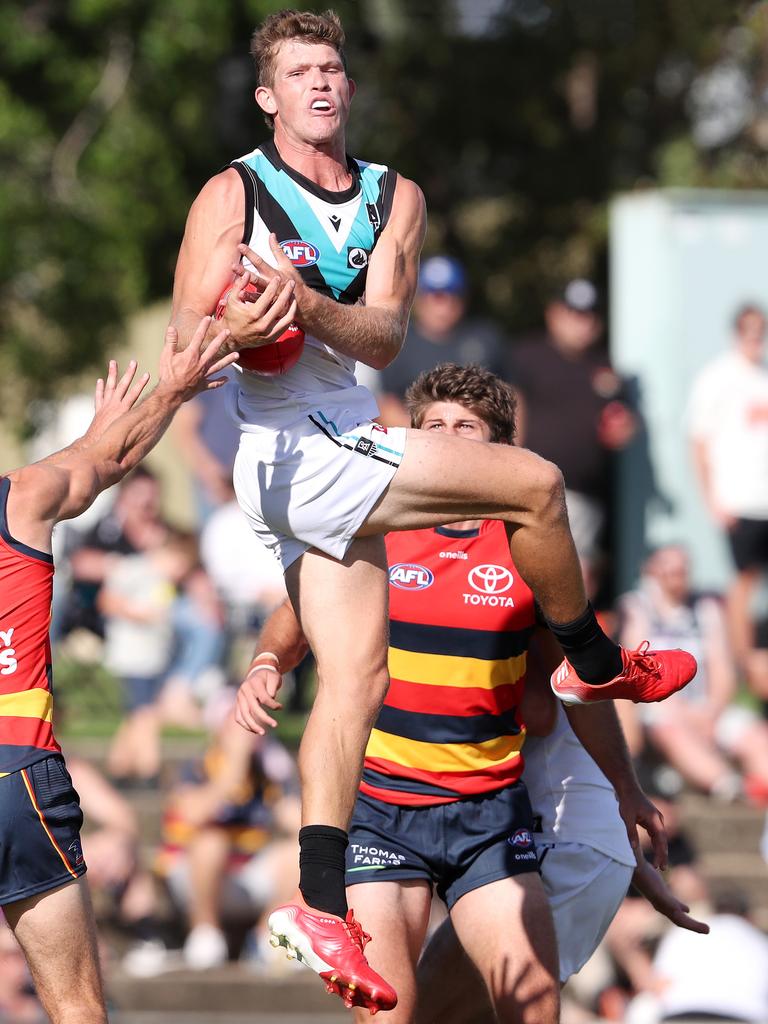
<point x="333" y="948"/>
<point x="647" y="676"/>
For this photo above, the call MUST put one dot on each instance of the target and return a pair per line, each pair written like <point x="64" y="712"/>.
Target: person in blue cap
<point x="440" y="331"/>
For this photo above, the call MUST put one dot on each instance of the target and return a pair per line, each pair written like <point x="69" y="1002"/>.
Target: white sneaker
<point x="146" y="959"/>
<point x="205" y="947"/>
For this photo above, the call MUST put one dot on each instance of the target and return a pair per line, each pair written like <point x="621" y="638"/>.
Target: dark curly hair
<point x="474" y="387"/>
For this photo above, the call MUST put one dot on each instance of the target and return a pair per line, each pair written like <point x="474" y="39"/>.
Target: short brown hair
<point x="474" y="387"/>
<point x="291" y="24"/>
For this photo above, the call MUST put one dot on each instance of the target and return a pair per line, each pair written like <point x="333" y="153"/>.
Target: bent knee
<point x="363" y="687"/>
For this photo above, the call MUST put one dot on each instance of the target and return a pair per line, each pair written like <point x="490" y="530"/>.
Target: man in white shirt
<point x="728" y="426"/>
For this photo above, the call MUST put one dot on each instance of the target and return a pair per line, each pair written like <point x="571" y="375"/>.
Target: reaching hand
<point x="257" y="692"/>
<point x="258" y="319"/>
<point x="636" y="809"/>
<point x="650" y="883"/>
<point x="192" y="370"/>
<point x="114" y="397"/>
<point x="285" y="270"/>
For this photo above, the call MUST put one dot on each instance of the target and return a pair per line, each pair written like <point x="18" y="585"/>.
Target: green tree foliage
<point x="519" y="118"/>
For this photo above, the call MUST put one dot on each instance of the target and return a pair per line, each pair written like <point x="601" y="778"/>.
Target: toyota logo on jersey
<point x="410" y="576"/>
<point x="490" y="579"/>
<point x="300" y="253"/>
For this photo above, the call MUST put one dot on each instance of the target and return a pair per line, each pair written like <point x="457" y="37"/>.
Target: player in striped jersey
<point x="42" y="892"/>
<point x="441" y="799"/>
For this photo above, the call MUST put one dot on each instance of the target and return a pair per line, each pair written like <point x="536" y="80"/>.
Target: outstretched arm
<point x="599" y="732"/>
<point x="122" y="432"/>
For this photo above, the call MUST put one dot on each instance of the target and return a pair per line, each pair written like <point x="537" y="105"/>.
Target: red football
<point x="277" y="357"/>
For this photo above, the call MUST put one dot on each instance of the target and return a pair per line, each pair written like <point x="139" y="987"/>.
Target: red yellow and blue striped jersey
<point x="461" y="619"/>
<point x="26" y="699"/>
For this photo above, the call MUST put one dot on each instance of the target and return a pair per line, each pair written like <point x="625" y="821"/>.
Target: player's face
<point x="671" y="570"/>
<point x="455" y="419"/>
<point x="310" y="95"/>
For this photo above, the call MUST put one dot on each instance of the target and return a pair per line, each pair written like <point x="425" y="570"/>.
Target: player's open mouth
<point x="323" y="106"/>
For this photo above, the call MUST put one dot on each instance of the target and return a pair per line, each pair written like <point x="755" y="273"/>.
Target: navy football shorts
<point x="40" y="821"/>
<point x="458" y="846"/>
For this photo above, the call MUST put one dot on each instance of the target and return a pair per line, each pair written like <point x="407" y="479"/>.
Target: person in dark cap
<point x="440" y="331"/>
<point x="574" y="410"/>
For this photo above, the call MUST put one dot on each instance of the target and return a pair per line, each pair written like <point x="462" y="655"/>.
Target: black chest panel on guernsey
<point x="328" y="236"/>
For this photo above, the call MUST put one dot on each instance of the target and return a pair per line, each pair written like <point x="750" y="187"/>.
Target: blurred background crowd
<point x="597" y="181"/>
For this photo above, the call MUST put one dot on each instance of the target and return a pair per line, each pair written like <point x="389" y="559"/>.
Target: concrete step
<point x="719" y="827"/>
<point x="231" y="989"/>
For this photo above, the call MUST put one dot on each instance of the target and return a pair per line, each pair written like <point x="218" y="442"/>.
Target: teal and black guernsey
<point x="328" y="236"/>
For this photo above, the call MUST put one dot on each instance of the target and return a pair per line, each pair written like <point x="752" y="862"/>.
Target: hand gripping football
<point x="272" y="359"/>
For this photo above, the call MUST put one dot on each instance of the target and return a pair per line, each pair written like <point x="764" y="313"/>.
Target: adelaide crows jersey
<point x="328" y="236"/>
<point x="461" y="620"/>
<point x="26" y="701"/>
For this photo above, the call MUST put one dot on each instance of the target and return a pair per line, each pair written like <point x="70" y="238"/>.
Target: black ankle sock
<point x="321" y="868"/>
<point x="593" y="655"/>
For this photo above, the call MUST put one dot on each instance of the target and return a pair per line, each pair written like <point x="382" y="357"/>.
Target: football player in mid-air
<point x="321" y="482"/>
<point x="42" y="892"/>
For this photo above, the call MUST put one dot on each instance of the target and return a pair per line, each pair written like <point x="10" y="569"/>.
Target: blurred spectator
<point x="728" y="423"/>
<point x="133" y="524"/>
<point x="18" y="1005"/>
<point x="120" y="887"/>
<point x="229" y="847"/>
<point x="698" y="730"/>
<point x="439" y="332"/>
<point x="573" y="409"/>
<point x="723" y="978"/>
<point x="207" y="439"/>
<point x="200" y="641"/>
<point x="136" y="600"/>
<point x="247" y="576"/>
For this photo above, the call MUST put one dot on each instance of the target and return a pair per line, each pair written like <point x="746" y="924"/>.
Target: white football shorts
<point x="585" y="889"/>
<point x="313" y="483"/>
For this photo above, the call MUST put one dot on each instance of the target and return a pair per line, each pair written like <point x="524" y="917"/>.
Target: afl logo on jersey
<point x="410" y="576"/>
<point x="490" y="579"/>
<point x="300" y="253"/>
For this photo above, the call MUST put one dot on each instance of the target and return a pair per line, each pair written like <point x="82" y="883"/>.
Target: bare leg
<point x="398" y="914"/>
<point x="739" y="612"/>
<point x="751" y="749"/>
<point x="342" y="607"/>
<point x="697" y="760"/>
<point x="56" y="930"/>
<point x="448" y="479"/>
<point x="135" y="749"/>
<point x="208" y="855"/>
<point x="451" y="989"/>
<point x="506" y="928"/>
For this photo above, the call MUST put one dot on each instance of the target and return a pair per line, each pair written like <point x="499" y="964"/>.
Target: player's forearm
<point x="135" y="434"/>
<point x="599" y="731"/>
<point x="372" y="335"/>
<point x="282" y="636"/>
